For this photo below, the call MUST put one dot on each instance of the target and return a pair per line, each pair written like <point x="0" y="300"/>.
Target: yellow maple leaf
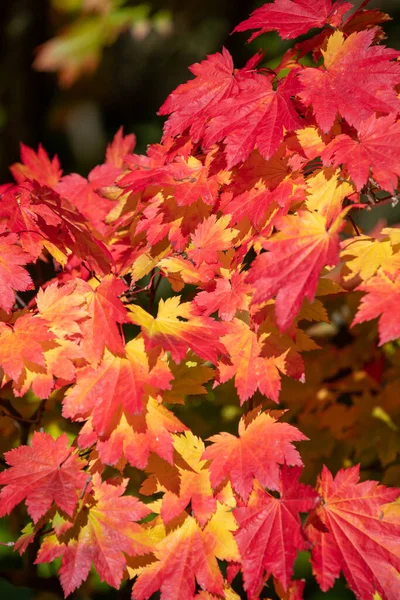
<point x="369" y="254"/>
<point x="326" y="193"/>
<point x="311" y="142"/>
<point x="211" y="236"/>
<point x="334" y="49"/>
<point x="177" y="329"/>
<point x="189" y="379"/>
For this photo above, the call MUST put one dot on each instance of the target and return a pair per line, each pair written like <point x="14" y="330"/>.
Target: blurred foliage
<point x="121" y="58"/>
<point x="92" y="25"/>
<point x="112" y="63"/>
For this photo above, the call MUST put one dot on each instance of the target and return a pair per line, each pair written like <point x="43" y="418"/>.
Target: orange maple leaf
<point x="256" y="453"/>
<point x="115" y="385"/>
<point x="23" y="344"/>
<point x="210" y="237"/>
<point x="189" y="554"/>
<point x="249" y="367"/>
<point x="134" y="437"/>
<point x="109" y="533"/>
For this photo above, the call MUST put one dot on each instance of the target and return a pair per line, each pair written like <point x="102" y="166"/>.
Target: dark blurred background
<point x="134" y="76"/>
<point x="135" y="73"/>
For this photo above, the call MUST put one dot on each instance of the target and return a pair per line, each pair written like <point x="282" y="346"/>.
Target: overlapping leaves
<point x="195" y="271"/>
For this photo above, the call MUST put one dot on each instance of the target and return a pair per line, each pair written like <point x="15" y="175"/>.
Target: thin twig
<point x="21" y="302"/>
<point x="10" y="411"/>
<point x="152" y="287"/>
<point x="354" y="225"/>
<point x="364" y="3"/>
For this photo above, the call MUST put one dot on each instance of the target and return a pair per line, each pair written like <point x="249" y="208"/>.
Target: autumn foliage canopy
<point x="223" y="268"/>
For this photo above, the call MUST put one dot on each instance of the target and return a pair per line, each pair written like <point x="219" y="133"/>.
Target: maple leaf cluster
<point x="208" y="268"/>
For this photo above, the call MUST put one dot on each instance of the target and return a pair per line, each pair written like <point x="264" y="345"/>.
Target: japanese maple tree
<point x="199" y="358"/>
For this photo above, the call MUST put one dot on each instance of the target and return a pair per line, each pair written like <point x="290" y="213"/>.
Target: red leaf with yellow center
<point x="189" y="554"/>
<point x="177" y="329"/>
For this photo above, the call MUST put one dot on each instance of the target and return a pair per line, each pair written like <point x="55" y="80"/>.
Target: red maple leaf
<point x="47" y="471"/>
<point x="381" y="300"/>
<point x="375" y="151"/>
<point x="291" y="18"/>
<point x="105" y="310"/>
<point x="190" y="101"/>
<point x="365" y="19"/>
<point x="191" y="181"/>
<point x="358" y="80"/>
<point x="256" y="117"/>
<point x="257" y="203"/>
<point x="83" y="193"/>
<point x="292" y="266"/>
<point x="210" y="237"/>
<point x="43" y="219"/>
<point x="119" y="148"/>
<point x="189" y="554"/>
<point x="13" y="277"/>
<point x="228" y="296"/>
<point x="36" y="165"/>
<point x="30" y="218"/>
<point x="270" y="532"/>
<point x="246" y="457"/>
<point x="188" y="177"/>
<point x="350" y="533"/>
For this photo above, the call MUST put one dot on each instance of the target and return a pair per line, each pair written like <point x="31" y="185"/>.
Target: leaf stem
<point x="354" y="225"/>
